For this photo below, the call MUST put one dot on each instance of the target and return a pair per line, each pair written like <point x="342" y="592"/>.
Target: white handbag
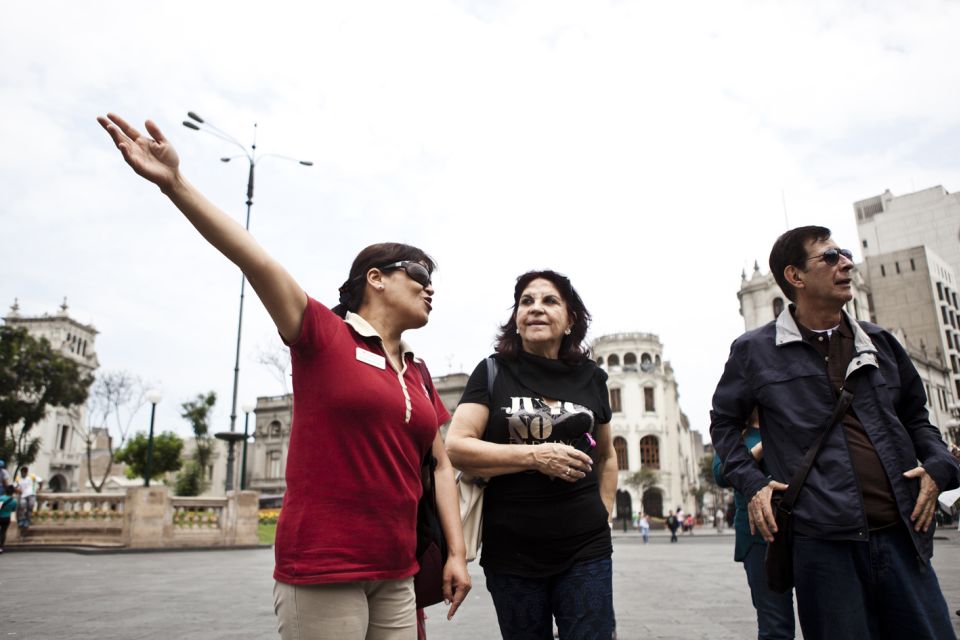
<point x="471" y="512"/>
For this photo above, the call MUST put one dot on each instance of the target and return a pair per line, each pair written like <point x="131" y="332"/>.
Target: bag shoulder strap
<point x="493" y="368"/>
<point x="800" y="476"/>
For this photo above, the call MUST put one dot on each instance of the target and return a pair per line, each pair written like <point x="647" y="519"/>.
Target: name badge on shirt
<point x="371" y="358"/>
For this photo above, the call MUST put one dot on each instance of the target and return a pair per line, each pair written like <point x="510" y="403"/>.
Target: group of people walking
<point x="533" y="423"/>
<point x="18" y="496"/>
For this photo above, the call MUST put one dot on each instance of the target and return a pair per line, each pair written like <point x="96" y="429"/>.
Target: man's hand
<point x="761" y="514"/>
<point x="926" y="505"/>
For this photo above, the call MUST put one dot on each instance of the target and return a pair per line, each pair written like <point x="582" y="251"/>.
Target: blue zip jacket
<point x="773" y="369"/>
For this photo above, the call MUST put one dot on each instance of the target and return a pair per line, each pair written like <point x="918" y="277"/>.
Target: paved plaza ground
<point x="691" y="589"/>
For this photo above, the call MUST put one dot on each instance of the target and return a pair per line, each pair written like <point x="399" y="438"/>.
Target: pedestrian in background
<point x="645" y="528"/>
<point x="27" y="485"/>
<point x="8" y="506"/>
<point x="673" y="524"/>
<point x="539" y="430"/>
<point x="5" y="479"/>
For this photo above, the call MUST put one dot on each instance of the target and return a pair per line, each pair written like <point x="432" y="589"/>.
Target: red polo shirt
<point x="360" y="431"/>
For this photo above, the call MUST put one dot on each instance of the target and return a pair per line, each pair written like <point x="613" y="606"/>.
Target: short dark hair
<point x="9" y="489"/>
<point x="376" y="255"/>
<point x="790" y="250"/>
<point x="572" y="350"/>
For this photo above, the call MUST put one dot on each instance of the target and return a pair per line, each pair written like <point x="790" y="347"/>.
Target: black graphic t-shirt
<point x="535" y="525"/>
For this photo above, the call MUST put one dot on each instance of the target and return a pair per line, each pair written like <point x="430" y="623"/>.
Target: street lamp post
<point x="197" y="123"/>
<point x="247" y="409"/>
<point x="153" y="397"/>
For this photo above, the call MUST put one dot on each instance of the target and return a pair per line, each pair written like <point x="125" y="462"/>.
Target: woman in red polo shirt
<point x="363" y="421"/>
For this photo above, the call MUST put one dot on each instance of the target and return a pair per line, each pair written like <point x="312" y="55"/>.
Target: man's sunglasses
<point x="832" y="256"/>
<point x="417" y="272"/>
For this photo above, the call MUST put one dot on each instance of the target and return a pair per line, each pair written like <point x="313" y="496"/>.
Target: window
<point x="615" y="400"/>
<point x="648" y="399"/>
<point x="273" y="464"/>
<point x="955" y="305"/>
<point x="897" y="265"/>
<point x="864" y="244"/>
<point x="650" y="452"/>
<point x="276" y="430"/>
<point x="613" y="360"/>
<point x="646" y="363"/>
<point x="777" y="307"/>
<point x="927" y="388"/>
<point x="64" y="433"/>
<point x="944" y="312"/>
<point x="913" y="267"/>
<point x="620" y="446"/>
<point x="883" y="272"/>
<point x="940" y="291"/>
<point x="600" y="361"/>
<point x="630" y="360"/>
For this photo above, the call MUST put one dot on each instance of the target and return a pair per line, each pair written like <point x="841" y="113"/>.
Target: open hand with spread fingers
<point x="152" y="157"/>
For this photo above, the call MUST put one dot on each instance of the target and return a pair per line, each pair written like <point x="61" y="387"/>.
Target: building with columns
<point x="61" y="447"/>
<point x="649" y="430"/>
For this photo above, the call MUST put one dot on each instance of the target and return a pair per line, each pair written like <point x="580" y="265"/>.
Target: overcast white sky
<point x="648" y="150"/>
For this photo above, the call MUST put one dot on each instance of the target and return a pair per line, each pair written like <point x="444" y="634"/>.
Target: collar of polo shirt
<point x="366" y="330"/>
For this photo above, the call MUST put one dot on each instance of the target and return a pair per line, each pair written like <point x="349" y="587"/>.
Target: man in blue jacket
<point x="863" y="522"/>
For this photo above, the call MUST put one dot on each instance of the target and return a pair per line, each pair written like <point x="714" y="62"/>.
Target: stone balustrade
<point x="143" y="517"/>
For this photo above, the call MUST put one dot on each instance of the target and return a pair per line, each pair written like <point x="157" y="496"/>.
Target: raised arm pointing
<point x="155" y="159"/>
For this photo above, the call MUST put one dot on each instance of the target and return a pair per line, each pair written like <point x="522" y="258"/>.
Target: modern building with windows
<point x="649" y="429"/>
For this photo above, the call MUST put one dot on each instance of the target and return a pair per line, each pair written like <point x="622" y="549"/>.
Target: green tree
<point x="33" y="377"/>
<point x="191" y="481"/>
<point x="708" y="482"/>
<point x="642" y="480"/>
<point x="167" y="447"/>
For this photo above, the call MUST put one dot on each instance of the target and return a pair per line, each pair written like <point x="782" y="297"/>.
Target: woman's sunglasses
<point x="417" y="272"/>
<point x="832" y="256"/>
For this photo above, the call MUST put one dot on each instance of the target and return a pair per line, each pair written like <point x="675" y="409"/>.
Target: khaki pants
<point x="368" y="610"/>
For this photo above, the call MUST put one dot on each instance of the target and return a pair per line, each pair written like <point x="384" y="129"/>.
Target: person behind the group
<point x="775" y="617"/>
<point x="689" y="523"/>
<point x="5" y="478"/>
<point x="8" y="506"/>
<point x="546" y="537"/>
<point x="27" y="485"/>
<point x="673" y="523"/>
<point x="364" y="419"/>
<point x="644" y="526"/>
<point x="866" y="503"/>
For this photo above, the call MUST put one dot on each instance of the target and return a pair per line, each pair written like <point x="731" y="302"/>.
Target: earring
<point x="567" y="332"/>
<point x="518" y="330"/>
<point x="380" y="287"/>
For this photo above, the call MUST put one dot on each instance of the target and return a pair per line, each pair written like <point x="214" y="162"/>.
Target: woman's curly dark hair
<point x="572" y="350"/>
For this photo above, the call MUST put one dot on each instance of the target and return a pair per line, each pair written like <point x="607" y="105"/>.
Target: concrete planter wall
<point x="142" y="518"/>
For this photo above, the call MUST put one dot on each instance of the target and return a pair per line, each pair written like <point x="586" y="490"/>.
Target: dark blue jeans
<point x="775" y="620"/>
<point x="875" y="589"/>
<point x="580" y="598"/>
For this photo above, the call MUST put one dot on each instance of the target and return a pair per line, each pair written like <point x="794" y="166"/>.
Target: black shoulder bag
<point x="431" y="545"/>
<point x="778" y="561"/>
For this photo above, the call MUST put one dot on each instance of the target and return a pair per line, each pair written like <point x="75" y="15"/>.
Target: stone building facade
<point x="649" y="430"/>
<point x="61" y="445"/>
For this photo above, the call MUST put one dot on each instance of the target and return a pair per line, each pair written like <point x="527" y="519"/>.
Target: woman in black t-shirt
<point x="539" y="431"/>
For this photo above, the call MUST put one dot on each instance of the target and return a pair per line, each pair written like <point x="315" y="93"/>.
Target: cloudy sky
<point x="651" y="151"/>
